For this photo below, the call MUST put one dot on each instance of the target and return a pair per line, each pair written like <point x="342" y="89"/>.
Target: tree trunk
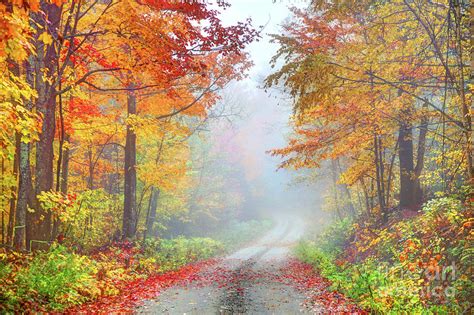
<point x="366" y="196"/>
<point x="130" y="187"/>
<point x="379" y="179"/>
<point x="24" y="196"/>
<point x="39" y="221"/>
<point x="466" y="108"/>
<point x="25" y="188"/>
<point x="65" y="167"/>
<point x="345" y="191"/>
<point x="405" y="155"/>
<point x="372" y="195"/>
<point x="11" y="214"/>
<point x="420" y="158"/>
<point x="62" y="184"/>
<point x="90" y="180"/>
<point x="349" y="204"/>
<point x="151" y="216"/>
<point x="2" y="205"/>
<point x="382" y="169"/>
<point x="390" y="175"/>
<point x="334" y="183"/>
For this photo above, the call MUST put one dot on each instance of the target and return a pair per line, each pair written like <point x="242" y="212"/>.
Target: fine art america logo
<point x="436" y="283"/>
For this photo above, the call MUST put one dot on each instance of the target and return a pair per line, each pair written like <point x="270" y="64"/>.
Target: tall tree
<point x="38" y="225"/>
<point x="130" y="187"/>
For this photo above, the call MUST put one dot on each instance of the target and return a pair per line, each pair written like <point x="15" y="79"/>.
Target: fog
<point x="257" y="121"/>
<point x="262" y="125"/>
<point x="237" y="177"/>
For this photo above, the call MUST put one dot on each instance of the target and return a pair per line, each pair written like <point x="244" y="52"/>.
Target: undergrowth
<point x="411" y="266"/>
<point x="57" y="279"/>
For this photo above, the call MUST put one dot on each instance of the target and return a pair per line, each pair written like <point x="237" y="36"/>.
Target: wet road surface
<point x="246" y="282"/>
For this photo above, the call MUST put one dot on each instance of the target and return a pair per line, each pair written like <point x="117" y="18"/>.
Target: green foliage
<point x="5" y="270"/>
<point x="170" y="254"/>
<point x="309" y="253"/>
<point x="79" y="216"/>
<point x="91" y="220"/>
<point x="336" y="235"/>
<point x="8" y="298"/>
<point x="373" y="284"/>
<point x="451" y="208"/>
<point x="57" y="278"/>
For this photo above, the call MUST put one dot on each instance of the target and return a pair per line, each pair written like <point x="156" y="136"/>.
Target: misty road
<point x="244" y="282"/>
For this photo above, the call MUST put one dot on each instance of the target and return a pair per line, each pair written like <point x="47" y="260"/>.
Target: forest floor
<point x="258" y="279"/>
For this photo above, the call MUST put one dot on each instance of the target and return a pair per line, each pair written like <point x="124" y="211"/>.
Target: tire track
<point x="236" y="298"/>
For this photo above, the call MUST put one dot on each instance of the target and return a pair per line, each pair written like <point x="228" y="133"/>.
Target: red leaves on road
<point x="316" y="288"/>
<point x="296" y="274"/>
<point x="133" y="293"/>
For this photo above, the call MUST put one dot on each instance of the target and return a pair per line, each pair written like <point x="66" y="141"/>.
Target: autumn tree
<point x="193" y="61"/>
<point x="77" y="62"/>
<point x="366" y="89"/>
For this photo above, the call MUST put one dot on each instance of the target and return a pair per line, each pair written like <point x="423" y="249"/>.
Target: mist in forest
<point x="235" y="156"/>
<point x="247" y="123"/>
<point x="260" y="126"/>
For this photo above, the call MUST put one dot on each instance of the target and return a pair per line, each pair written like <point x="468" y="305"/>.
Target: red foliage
<point x="177" y="56"/>
<point x="133" y="293"/>
<point x="83" y="54"/>
<point x="77" y="110"/>
<point x="304" y="278"/>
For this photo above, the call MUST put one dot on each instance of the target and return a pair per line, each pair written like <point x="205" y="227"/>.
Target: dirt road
<point x="246" y="282"/>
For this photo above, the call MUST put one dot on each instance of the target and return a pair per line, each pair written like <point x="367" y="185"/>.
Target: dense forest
<point x="99" y="100"/>
<point x="102" y="108"/>
<point x="383" y="105"/>
<point x="110" y="178"/>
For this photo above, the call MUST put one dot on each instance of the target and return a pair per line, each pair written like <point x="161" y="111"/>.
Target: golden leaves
<point x="46" y="38"/>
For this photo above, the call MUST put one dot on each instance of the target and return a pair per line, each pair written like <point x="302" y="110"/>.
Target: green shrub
<point x="8" y="298"/>
<point x="58" y="278"/>
<point x="309" y="253"/>
<point x="391" y="277"/>
<point x="171" y="254"/>
<point x="371" y="283"/>
<point x="336" y="236"/>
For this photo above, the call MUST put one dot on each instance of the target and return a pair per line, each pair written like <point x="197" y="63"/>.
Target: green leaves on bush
<point x="170" y="254"/>
<point x="59" y="278"/>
